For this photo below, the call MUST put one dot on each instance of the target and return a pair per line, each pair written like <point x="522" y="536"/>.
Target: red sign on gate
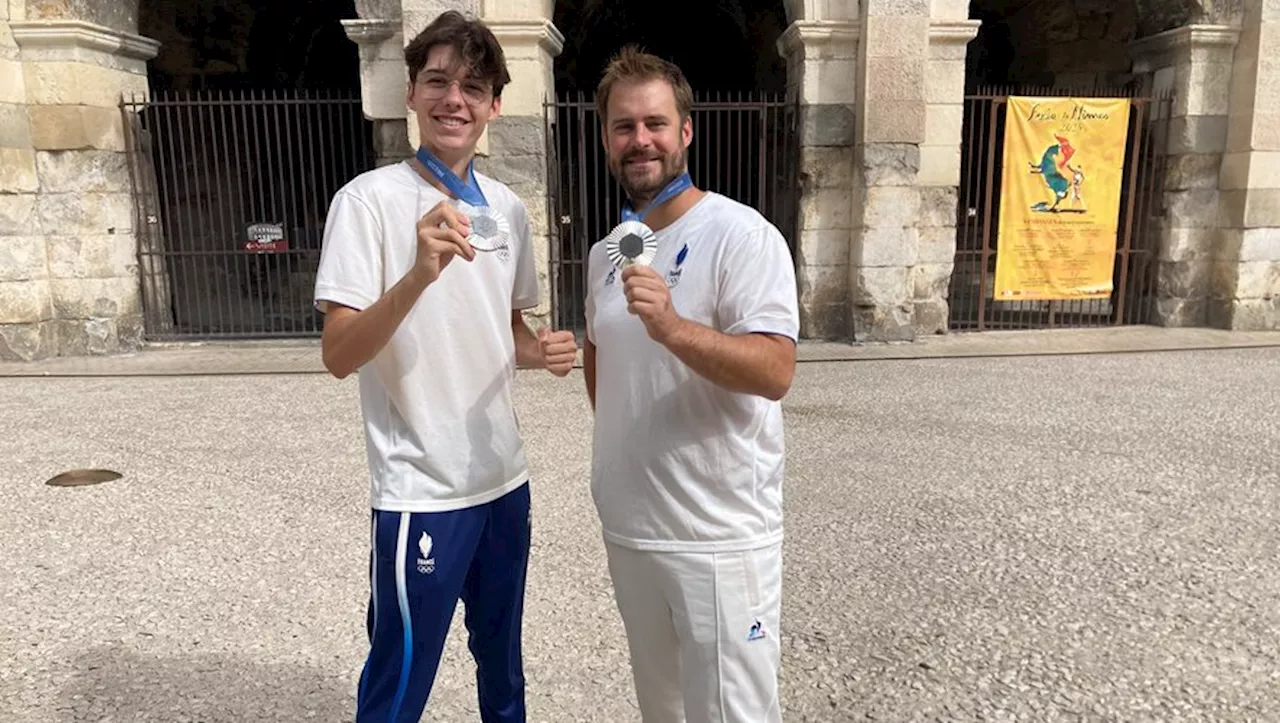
<point x="266" y="238"/>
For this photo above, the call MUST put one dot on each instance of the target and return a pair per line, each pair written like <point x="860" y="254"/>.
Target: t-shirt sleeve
<point x="350" y="271"/>
<point x="524" y="293"/>
<point x="758" y="287"/>
<point x="589" y="300"/>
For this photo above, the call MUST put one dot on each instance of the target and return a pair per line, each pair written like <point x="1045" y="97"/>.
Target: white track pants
<point x="703" y="632"/>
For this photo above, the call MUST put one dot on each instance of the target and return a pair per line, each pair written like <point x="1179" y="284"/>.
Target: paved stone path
<point x="1035" y="538"/>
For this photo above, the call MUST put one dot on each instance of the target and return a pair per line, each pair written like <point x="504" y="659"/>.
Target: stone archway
<point x="244" y="93"/>
<point x="1072" y="43"/>
<point x="720" y="46"/>
<point x="235" y="44"/>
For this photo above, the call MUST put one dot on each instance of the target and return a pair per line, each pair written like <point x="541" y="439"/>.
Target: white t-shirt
<point x="440" y="427"/>
<point x="680" y="464"/>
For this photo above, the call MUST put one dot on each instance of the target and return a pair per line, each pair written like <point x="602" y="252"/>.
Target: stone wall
<point x="910" y="90"/>
<point x="950" y="32"/>
<point x="68" y="277"/>
<point x="380" y="34"/>
<point x="119" y="15"/>
<point x="880" y="86"/>
<point x="822" y="64"/>
<point x="26" y="307"/>
<point x="1246" y="268"/>
<point x="516" y="151"/>
<point x="891" y="97"/>
<point x="1220" y="250"/>
<point x="1080" y="44"/>
<point x="1194" y="64"/>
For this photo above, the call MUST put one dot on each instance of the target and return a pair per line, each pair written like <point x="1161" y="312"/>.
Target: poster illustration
<point x="1060" y="197"/>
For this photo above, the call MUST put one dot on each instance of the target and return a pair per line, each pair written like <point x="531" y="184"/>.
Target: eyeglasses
<point x="435" y="87"/>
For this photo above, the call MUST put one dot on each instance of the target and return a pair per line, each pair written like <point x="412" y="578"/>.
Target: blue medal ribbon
<point x="466" y="192"/>
<point x="678" y="185"/>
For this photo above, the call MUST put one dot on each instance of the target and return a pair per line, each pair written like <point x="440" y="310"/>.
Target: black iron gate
<point x="745" y="146"/>
<point x="231" y="190"/>
<point x="972" y="302"/>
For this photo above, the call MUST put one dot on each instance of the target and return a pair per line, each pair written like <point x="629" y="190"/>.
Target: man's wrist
<point x="677" y="333"/>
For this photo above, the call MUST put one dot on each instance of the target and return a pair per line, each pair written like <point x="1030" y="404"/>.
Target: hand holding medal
<point x="489" y="229"/>
<point x="441" y="235"/>
<point x="631" y="246"/>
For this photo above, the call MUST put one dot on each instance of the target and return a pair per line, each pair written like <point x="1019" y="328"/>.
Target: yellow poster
<point x="1060" y="197"/>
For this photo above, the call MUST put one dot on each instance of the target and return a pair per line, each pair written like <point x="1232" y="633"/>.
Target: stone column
<point x="517" y="139"/>
<point x="380" y="34"/>
<point x="1195" y="64"/>
<point x="822" y="63"/>
<point x="1246" y="274"/>
<point x="892" y="102"/>
<point x="950" y="32"/>
<point x="418" y="14"/>
<point x="27" y="329"/>
<point x="66" y="207"/>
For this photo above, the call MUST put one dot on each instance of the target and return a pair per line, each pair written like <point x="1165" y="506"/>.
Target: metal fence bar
<point x="225" y="217"/>
<point x="987" y="225"/>
<point x="1136" y="142"/>
<point x="181" y="179"/>
<point x="554" y="252"/>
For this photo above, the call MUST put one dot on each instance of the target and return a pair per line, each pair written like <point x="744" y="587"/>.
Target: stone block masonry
<point x="910" y="92"/>
<point x="1245" y="278"/>
<point x="516" y="150"/>
<point x="821" y="65"/>
<point x="68" y="268"/>
<point x="1218" y="265"/>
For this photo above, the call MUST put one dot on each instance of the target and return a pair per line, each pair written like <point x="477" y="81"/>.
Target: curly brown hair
<point x="634" y="64"/>
<point x="472" y="42"/>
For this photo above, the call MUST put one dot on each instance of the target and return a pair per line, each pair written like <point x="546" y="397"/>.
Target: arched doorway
<point x="253" y="122"/>
<point x="1081" y="44"/>
<point x="1077" y="49"/>
<point x="744" y="129"/>
<point x="729" y="46"/>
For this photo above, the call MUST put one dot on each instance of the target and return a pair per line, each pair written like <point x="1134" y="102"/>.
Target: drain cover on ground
<point x="81" y="477"/>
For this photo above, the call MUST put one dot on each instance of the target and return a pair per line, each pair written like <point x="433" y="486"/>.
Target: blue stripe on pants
<point x="422" y="564"/>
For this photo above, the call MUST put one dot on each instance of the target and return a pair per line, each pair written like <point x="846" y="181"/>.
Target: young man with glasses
<point x="425" y="269"/>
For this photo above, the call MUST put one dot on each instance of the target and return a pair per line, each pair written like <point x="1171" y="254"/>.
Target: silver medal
<point x="490" y="231"/>
<point x="631" y="242"/>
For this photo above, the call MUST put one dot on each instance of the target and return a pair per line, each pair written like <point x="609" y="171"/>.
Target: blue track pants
<point x="421" y="564"/>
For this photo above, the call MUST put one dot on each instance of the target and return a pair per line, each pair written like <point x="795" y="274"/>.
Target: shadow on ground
<point x="113" y="683"/>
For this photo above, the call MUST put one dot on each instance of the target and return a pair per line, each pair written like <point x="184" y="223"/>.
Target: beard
<point x="642" y="186"/>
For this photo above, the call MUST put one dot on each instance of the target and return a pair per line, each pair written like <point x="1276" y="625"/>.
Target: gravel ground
<point x="1064" y="538"/>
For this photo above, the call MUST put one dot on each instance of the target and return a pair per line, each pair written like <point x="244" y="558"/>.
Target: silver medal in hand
<point x="490" y="231"/>
<point x="631" y="242"/>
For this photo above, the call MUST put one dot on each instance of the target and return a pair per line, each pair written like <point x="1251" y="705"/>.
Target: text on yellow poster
<point x="1060" y="197"/>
